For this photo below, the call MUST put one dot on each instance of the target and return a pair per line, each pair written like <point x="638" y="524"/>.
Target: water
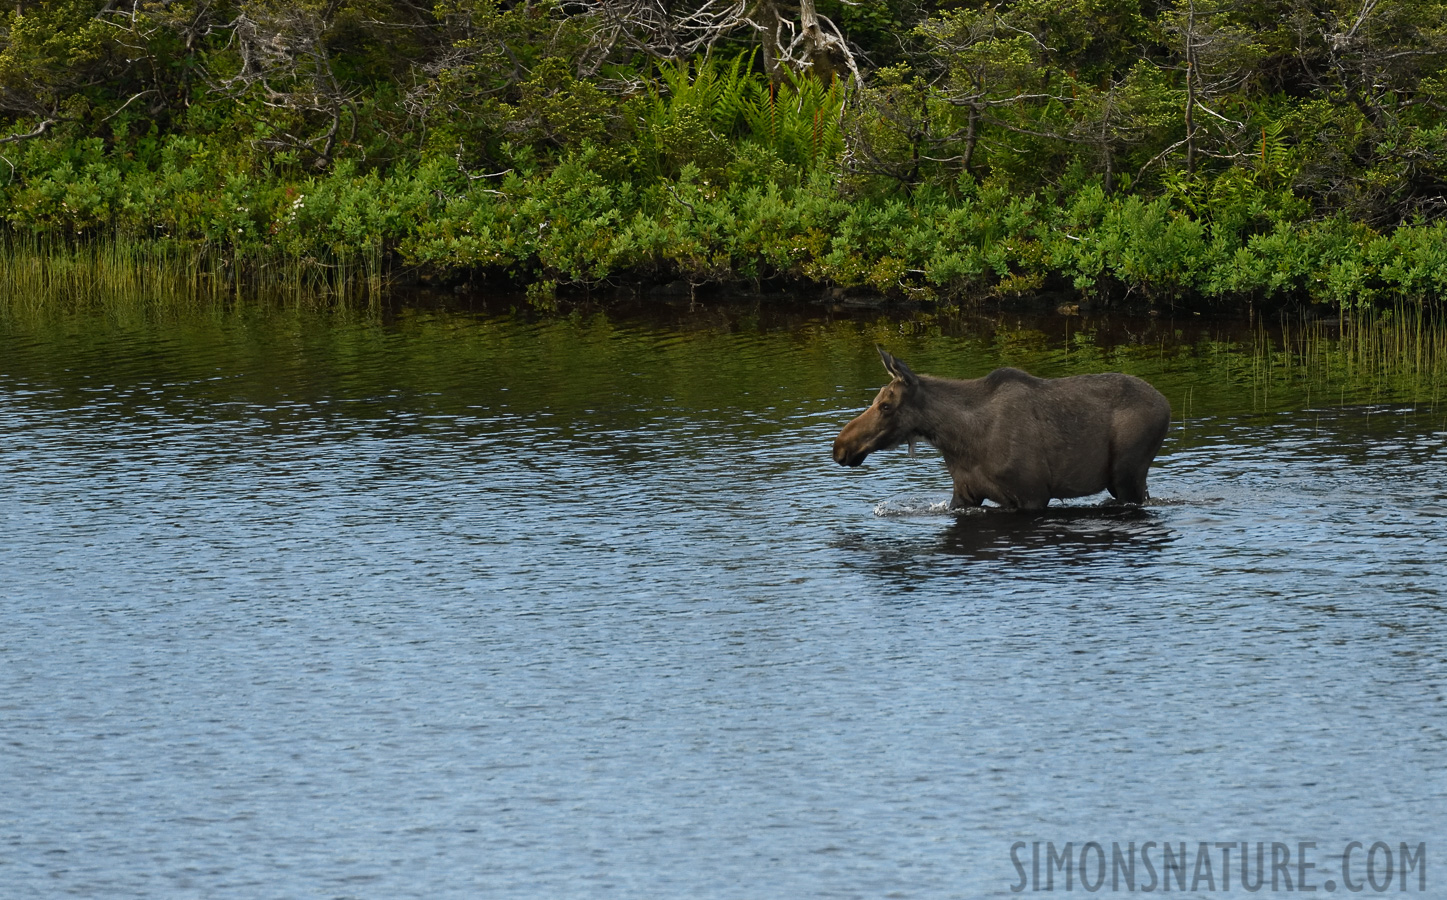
<point x="451" y="604"/>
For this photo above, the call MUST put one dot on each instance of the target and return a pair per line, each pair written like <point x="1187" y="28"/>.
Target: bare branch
<point x="1160" y="156"/>
<point x="128" y="102"/>
<point x="792" y="34"/>
<point x="35" y="132"/>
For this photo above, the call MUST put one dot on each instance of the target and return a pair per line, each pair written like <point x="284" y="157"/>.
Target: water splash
<point x="907" y="506"/>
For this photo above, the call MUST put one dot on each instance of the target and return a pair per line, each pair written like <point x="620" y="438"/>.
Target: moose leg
<point x="1128" y="481"/>
<point x="964" y="497"/>
<point x="1134" y="446"/>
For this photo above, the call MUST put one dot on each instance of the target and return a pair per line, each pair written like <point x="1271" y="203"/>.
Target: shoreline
<point x="62" y="273"/>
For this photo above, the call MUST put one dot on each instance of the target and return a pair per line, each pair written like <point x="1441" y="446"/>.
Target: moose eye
<point x="886" y="407"/>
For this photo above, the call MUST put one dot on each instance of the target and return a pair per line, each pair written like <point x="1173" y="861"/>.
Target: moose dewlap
<point x="1017" y="440"/>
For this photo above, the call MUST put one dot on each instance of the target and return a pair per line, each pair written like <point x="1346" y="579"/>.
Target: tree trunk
<point x="972" y="136"/>
<point x="817" y="44"/>
<point x="774" y="26"/>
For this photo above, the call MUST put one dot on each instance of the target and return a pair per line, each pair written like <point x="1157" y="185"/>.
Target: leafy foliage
<point x="1190" y="151"/>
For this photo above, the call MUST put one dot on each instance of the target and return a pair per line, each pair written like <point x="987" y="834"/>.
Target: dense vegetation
<point x="1196" y="152"/>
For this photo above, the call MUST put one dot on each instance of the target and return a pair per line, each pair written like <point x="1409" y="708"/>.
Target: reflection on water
<point x="443" y="604"/>
<point x="1073" y="536"/>
<point x="1061" y="539"/>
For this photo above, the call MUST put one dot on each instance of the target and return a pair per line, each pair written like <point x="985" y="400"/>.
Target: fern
<point x="1274" y="155"/>
<point x="797" y="119"/>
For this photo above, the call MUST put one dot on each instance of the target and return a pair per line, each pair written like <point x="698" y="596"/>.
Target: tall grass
<point x="1392" y="355"/>
<point x="46" y="272"/>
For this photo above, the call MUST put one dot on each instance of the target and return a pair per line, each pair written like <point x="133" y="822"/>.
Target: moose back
<point x="1017" y="440"/>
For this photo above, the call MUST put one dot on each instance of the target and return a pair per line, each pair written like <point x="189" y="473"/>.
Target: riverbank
<point x="573" y="232"/>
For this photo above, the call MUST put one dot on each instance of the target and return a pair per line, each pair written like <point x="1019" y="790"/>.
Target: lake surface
<point x="483" y="604"/>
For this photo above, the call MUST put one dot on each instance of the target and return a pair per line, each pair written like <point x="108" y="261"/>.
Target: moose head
<point x="893" y="418"/>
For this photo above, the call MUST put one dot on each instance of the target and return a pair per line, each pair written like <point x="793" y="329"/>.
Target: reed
<point x="44" y="272"/>
<point x="1392" y="355"/>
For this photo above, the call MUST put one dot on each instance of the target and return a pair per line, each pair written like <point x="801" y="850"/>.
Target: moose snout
<point x="851" y="446"/>
<point x="845" y="457"/>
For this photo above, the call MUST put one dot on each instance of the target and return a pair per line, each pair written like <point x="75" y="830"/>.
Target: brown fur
<point x="1018" y="440"/>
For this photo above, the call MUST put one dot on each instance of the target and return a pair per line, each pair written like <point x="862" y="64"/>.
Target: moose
<point x="1017" y="440"/>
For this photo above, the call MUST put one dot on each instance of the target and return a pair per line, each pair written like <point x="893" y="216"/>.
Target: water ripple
<point x="471" y="605"/>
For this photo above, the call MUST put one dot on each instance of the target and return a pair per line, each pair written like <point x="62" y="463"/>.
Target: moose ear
<point x="896" y="368"/>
